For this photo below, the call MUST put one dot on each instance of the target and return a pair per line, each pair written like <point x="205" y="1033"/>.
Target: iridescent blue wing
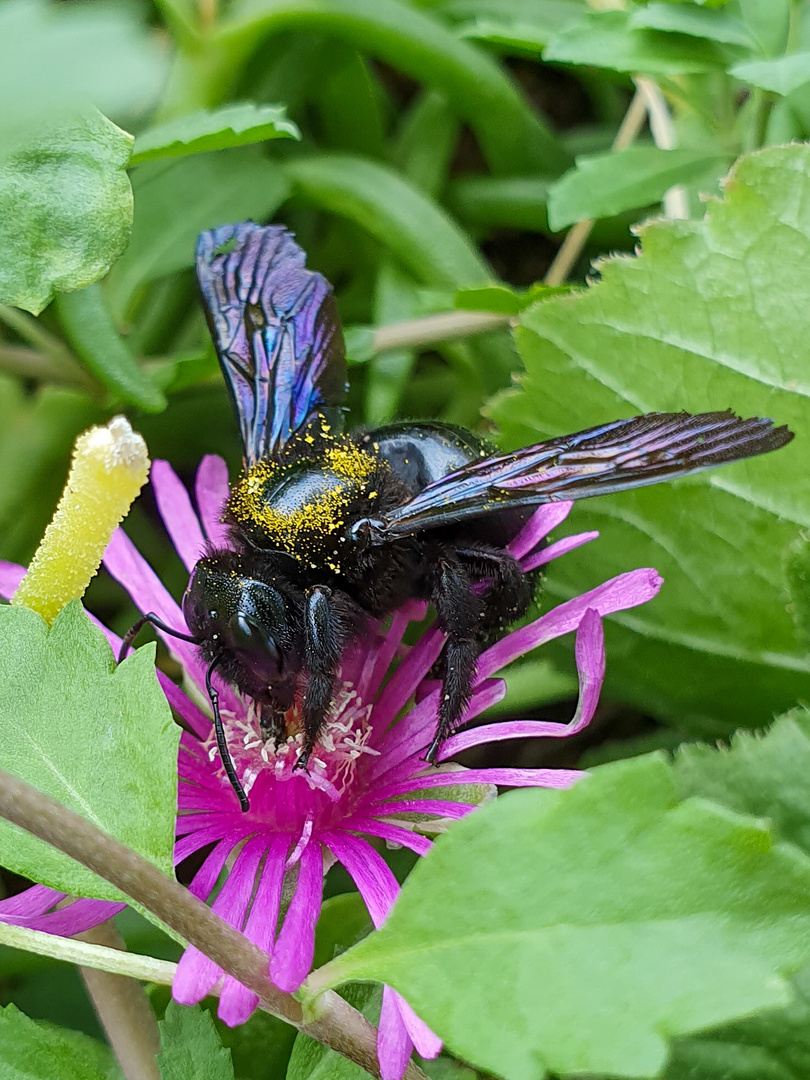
<point x="276" y="332"/>
<point x="614" y="457"/>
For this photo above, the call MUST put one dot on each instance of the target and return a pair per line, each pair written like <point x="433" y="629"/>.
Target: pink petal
<point x="404" y="745"/>
<point x="211" y="490"/>
<point x="32" y="901"/>
<point x="196" y="973"/>
<point x="75" y="918"/>
<point x="393" y="1043"/>
<point x="394" y="834"/>
<point x="402" y="684"/>
<point x="10" y="577"/>
<point x="379" y="889"/>
<point x="174" y="506"/>
<point x="379" y="661"/>
<point x="125" y="563"/>
<point x="554" y="551"/>
<point x="590" y="655"/>
<point x="236" y="1002"/>
<point x="35" y="908"/>
<point x="622" y="592"/>
<point x="370" y="872"/>
<point x="428" y="1044"/>
<point x="442" y="808"/>
<point x="553" y="778"/>
<point x="543" y="520"/>
<point x="295" y="945"/>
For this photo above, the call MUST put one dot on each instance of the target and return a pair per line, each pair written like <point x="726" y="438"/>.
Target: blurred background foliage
<point x="430" y="156"/>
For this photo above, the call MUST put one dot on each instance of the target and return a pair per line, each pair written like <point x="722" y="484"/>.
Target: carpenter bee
<point x="329" y="528"/>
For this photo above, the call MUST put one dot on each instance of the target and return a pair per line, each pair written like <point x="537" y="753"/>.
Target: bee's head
<point x="247" y="619"/>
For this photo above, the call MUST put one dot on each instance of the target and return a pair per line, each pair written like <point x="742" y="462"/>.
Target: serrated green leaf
<point x="176" y="200"/>
<point x="764" y="775"/>
<point x="233" y="125"/>
<point x="772" y="1046"/>
<point x="703" y="22"/>
<point x="797" y="574"/>
<point x="642" y="918"/>
<point x="63" y="705"/>
<point x="606" y="39"/>
<point x="705" y="318"/>
<point x="190" y="1046"/>
<point x="65" y="210"/>
<point x="782" y="75"/>
<point x="35" y="1051"/>
<point x="602" y="185"/>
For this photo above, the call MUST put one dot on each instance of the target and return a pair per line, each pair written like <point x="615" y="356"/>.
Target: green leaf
<point x="55" y="59"/>
<point x="706" y="318"/>
<point x="602" y="185"/>
<point x="511" y="136"/>
<point x="768" y="22"/>
<point x="65" y="210"/>
<point x="765" y="776"/>
<point x="797" y="573"/>
<point x="89" y="327"/>
<point x="782" y="75"/>
<point x="232" y="125"/>
<point x="64" y="704"/>
<point x="176" y="200"/>
<point x="702" y="22"/>
<point x="607" y="39"/>
<point x="773" y="1046"/>
<point x="36" y="1051"/>
<point x="190" y="1046"/>
<point x="502" y="299"/>
<point x="646" y="917"/>
<point x="412" y="226"/>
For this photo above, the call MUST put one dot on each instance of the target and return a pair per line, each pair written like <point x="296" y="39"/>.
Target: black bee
<point x="330" y="528"/>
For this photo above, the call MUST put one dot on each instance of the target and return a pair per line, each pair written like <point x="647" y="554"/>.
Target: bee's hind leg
<point x="461" y="613"/>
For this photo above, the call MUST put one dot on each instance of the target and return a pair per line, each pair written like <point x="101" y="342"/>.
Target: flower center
<point x="343" y="741"/>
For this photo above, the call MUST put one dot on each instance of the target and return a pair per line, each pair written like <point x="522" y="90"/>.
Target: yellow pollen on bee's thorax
<point x="308" y="531"/>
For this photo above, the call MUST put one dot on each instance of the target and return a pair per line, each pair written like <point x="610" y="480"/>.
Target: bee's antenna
<point x="222" y="743"/>
<point x="159" y="624"/>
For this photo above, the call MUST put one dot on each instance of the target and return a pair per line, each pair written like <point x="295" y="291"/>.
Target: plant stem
<point x="81" y="952"/>
<point x="414" y="333"/>
<point x="30" y="364"/>
<point x="334" y="1023"/>
<point x="124" y="1011"/>
<point x="676" y="204"/>
<point x="575" y="240"/>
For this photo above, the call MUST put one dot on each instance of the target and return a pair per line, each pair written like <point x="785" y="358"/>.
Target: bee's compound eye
<point x="249" y="636"/>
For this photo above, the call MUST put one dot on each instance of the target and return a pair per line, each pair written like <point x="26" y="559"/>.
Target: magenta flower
<point x="368" y="777"/>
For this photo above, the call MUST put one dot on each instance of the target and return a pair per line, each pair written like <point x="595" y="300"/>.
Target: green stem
<point x="447" y="326"/>
<point x="84" y="954"/>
